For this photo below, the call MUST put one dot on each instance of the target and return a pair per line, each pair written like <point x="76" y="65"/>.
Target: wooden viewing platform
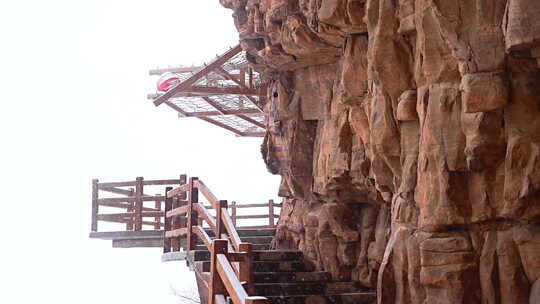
<point x="143" y="215"/>
<point x="226" y="93"/>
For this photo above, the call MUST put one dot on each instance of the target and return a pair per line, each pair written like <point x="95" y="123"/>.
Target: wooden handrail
<point x="176" y="233"/>
<point x="203" y="236"/>
<point x="178" y="190"/>
<point x="177" y="211"/>
<point x="212" y="199"/>
<point x="132" y="200"/>
<point x="130" y="214"/>
<point x="232" y="283"/>
<point x="125" y="221"/>
<point x="229" y="226"/>
<point x="231" y="261"/>
<point x="206" y="216"/>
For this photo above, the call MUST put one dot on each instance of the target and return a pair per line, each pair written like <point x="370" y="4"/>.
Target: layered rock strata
<point x="407" y="135"/>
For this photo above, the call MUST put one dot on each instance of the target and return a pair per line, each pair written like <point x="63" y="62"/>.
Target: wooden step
<point x="255" y="247"/>
<point x="258" y="255"/>
<point x="345" y="298"/>
<point x="290" y="277"/>
<point x="265" y="266"/>
<point x="249" y="232"/>
<point x="251" y="239"/>
<point x="305" y="288"/>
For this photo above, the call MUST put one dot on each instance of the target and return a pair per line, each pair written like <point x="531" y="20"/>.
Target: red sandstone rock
<point x="407" y="135"/>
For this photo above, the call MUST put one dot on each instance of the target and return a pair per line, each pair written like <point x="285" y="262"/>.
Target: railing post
<point x="219" y="218"/>
<point x="233" y="213"/>
<point x="216" y="285"/>
<point x="157" y="219"/>
<point x="175" y="224"/>
<point x="271" y="213"/>
<point x="138" y="203"/>
<point x="129" y="209"/>
<point x="179" y="221"/>
<point x="183" y="181"/>
<point x="168" y="206"/>
<point x="245" y="273"/>
<point x="95" y="204"/>
<point x="192" y="213"/>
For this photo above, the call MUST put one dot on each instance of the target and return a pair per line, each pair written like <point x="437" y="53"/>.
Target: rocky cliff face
<point x="407" y="133"/>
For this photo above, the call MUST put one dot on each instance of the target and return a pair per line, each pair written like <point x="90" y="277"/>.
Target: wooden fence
<point x="231" y="271"/>
<point x="130" y="197"/>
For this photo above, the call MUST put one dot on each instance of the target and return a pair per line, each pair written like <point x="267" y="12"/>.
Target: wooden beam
<point x="178" y="190"/>
<point x="218" y="91"/>
<point x="231" y="282"/>
<point x="223" y="112"/>
<point x="271" y="213"/>
<point x="138" y="203"/>
<point x="117" y="191"/>
<point x="177" y="211"/>
<point x="212" y="199"/>
<point x="214" y="105"/>
<point x="252" y="121"/>
<point x="230" y="77"/>
<point x="192" y="213"/>
<point x="202" y="212"/>
<point x="116" y="184"/>
<point x="246" y="272"/>
<point x="241" y="84"/>
<point x="168" y="206"/>
<point x="191" y="80"/>
<point x="181" y="112"/>
<point x="216" y="286"/>
<point x="176" y="233"/>
<point x="101" y="201"/>
<point x="199" y="231"/>
<point x="222" y="125"/>
<point x="231" y="230"/>
<point x="95" y="204"/>
<point x="160" y="182"/>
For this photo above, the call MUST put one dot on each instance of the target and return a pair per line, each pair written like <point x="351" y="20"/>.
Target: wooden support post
<point x="95" y="205"/>
<point x="179" y="221"/>
<point x="271" y="213"/>
<point x="175" y="224"/>
<point x="138" y="203"/>
<point x="168" y="207"/>
<point x="242" y="77"/>
<point x="245" y="273"/>
<point x="129" y="209"/>
<point x="157" y="219"/>
<point x="183" y="181"/>
<point x="220" y="225"/>
<point x="233" y="212"/>
<point x="216" y="285"/>
<point x="250" y="75"/>
<point x="192" y="213"/>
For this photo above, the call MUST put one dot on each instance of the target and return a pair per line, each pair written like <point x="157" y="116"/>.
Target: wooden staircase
<point x="231" y="264"/>
<point x="281" y="276"/>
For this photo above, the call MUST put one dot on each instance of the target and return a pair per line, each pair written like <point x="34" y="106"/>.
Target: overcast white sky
<point x="74" y="79"/>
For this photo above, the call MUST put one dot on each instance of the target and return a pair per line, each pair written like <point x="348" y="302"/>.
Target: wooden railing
<point x="131" y="198"/>
<point x="231" y="271"/>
